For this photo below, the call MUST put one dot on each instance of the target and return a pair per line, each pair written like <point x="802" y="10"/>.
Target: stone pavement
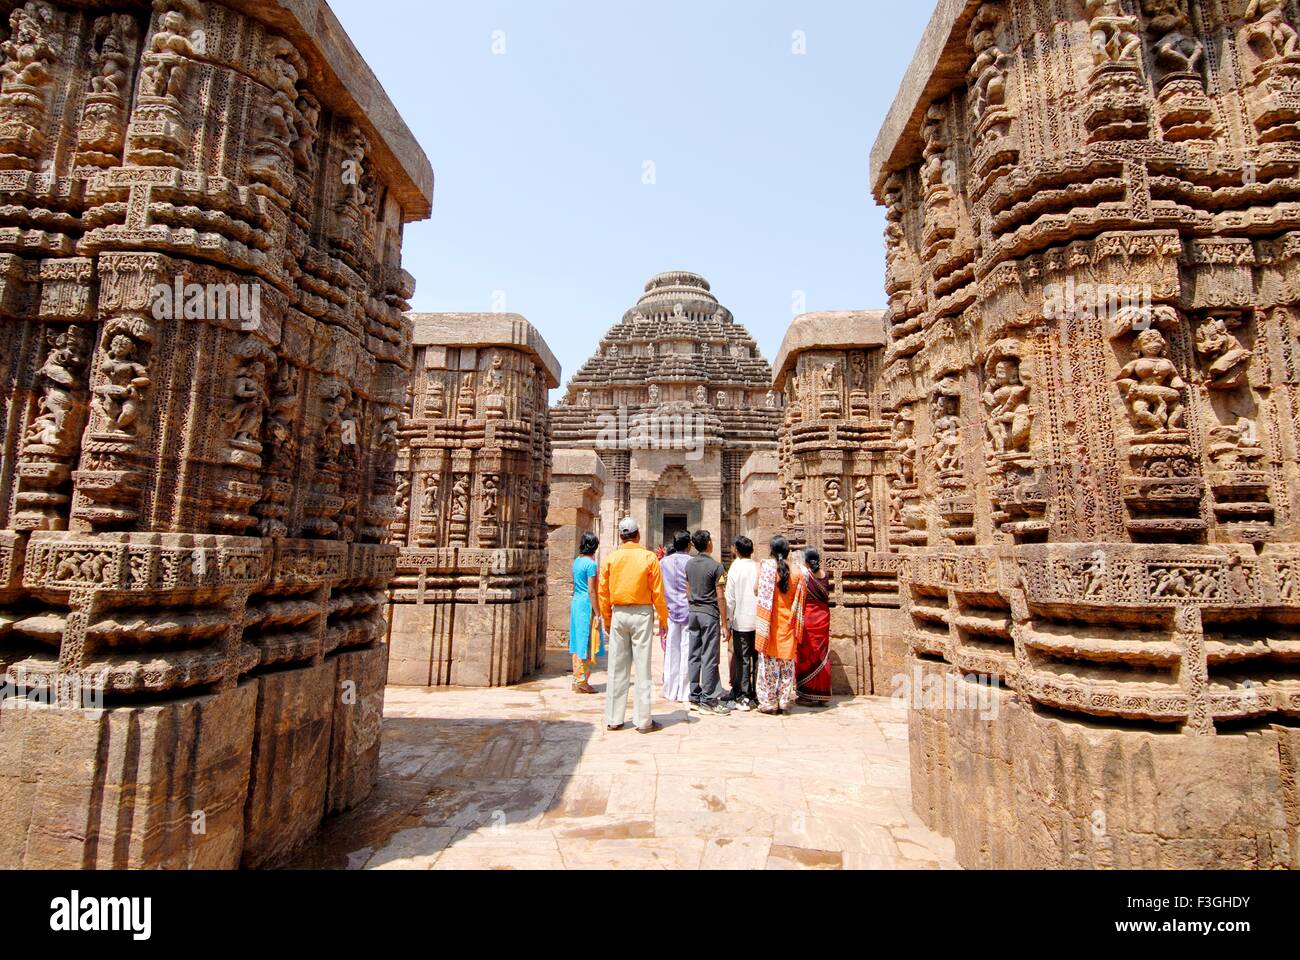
<point x="528" y="778"/>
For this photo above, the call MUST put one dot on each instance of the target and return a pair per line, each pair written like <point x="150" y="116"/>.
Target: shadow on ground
<point x="443" y="780"/>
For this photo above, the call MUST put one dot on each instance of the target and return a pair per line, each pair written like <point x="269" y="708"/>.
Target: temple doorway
<point x="673" y="523"/>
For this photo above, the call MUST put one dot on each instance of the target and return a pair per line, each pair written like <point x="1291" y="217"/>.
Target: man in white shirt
<point x="742" y="605"/>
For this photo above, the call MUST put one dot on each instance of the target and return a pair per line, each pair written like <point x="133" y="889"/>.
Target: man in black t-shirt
<point x="705" y="579"/>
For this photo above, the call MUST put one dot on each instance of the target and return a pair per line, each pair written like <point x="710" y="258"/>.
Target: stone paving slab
<point x="528" y="779"/>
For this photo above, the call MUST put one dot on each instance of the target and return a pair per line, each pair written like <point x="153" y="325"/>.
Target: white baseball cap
<point x="628" y="527"/>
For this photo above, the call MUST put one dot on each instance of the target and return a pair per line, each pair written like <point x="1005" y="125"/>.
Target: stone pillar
<point x="473" y="480"/>
<point x="1096" y="412"/>
<point x="577" y="486"/>
<point x="209" y="353"/>
<point x="760" y="499"/>
<point x="835" y="454"/>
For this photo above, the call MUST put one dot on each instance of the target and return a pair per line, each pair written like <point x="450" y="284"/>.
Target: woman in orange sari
<point x="813" y="658"/>
<point x="779" y="623"/>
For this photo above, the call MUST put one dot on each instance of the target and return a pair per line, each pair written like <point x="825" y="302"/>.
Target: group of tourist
<point x="775" y="616"/>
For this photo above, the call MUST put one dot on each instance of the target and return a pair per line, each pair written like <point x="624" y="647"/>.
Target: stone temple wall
<point x="474" y="475"/>
<point x="1094" y="371"/>
<point x="201" y="324"/>
<point x="577" y="487"/>
<point x="837" y="451"/>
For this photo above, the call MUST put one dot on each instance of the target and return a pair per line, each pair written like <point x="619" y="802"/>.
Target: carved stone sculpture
<point x="198" y="441"/>
<point x="478" y="475"/>
<point x="1093" y="482"/>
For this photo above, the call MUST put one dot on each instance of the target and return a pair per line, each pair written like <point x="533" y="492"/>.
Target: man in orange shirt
<point x="631" y="594"/>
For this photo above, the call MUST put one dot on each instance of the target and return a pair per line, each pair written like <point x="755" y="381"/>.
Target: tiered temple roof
<point x="680" y="351"/>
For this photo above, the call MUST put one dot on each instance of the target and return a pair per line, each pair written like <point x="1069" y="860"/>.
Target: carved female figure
<point x="121" y="399"/>
<point x="331" y="445"/>
<point x="172" y="44"/>
<point x="1152" y="387"/>
<point x="429" y="509"/>
<point x="1177" y="51"/>
<point x="1006" y="399"/>
<point x="112" y="65"/>
<point x="27" y="52"/>
<point x="63" y="374"/>
<point x="491" y="494"/>
<point x="251" y="401"/>
<point x="862" y="499"/>
<point x="460" y="498"/>
<point x="1114" y="33"/>
<point x="1270" y="32"/>
<point x="834" y="503"/>
<point x="905" y="443"/>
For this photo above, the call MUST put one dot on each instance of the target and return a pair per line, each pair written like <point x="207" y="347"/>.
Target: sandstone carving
<point x="837" y="451"/>
<point x="1091" y="374"/>
<point x="189" y="532"/>
<point x="470" y="597"/>
<point x="674" y="404"/>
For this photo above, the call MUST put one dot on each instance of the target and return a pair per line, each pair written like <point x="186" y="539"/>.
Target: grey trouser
<point x="706" y="650"/>
<point x="632" y="631"/>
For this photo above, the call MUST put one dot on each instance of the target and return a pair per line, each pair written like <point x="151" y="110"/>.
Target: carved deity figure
<point x="337" y="401"/>
<point x="402" y="496"/>
<point x="988" y="74"/>
<point x="1270" y="32"/>
<point x="120" y="400"/>
<point x="250" y="404"/>
<point x="279" y="432"/>
<point x="1228" y="361"/>
<point x="654" y="394"/>
<point x="905" y="444"/>
<point x="1006" y="402"/>
<point x="862" y="501"/>
<point x="307" y="130"/>
<point x="491" y="496"/>
<point x="1115" y="37"/>
<point x="829" y="374"/>
<point x="460" y="498"/>
<point x="27" y="53"/>
<point x="834" y="502"/>
<point x="585" y="400"/>
<point x="1177" y="50"/>
<point x="770" y="401"/>
<point x="723" y="402"/>
<point x="1092" y="577"/>
<point x="172" y="45"/>
<point x="429" y="508"/>
<point x="701" y="395"/>
<point x="111" y="64"/>
<point x="63" y="375"/>
<point x="1151" y="386"/>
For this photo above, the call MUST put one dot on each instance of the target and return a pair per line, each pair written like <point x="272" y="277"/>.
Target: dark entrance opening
<point x="673" y="525"/>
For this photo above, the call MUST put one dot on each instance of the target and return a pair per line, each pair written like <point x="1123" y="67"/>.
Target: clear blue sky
<point x="760" y="155"/>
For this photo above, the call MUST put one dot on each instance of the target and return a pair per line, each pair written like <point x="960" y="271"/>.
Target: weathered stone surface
<point x="760" y="498"/>
<point x="156" y="787"/>
<point x="1092" y="376"/>
<point x="675" y="401"/>
<point x="474" y="474"/>
<point x="201" y="316"/>
<point x="836" y="452"/>
<point x="358" y="718"/>
<point x="578" y="480"/>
